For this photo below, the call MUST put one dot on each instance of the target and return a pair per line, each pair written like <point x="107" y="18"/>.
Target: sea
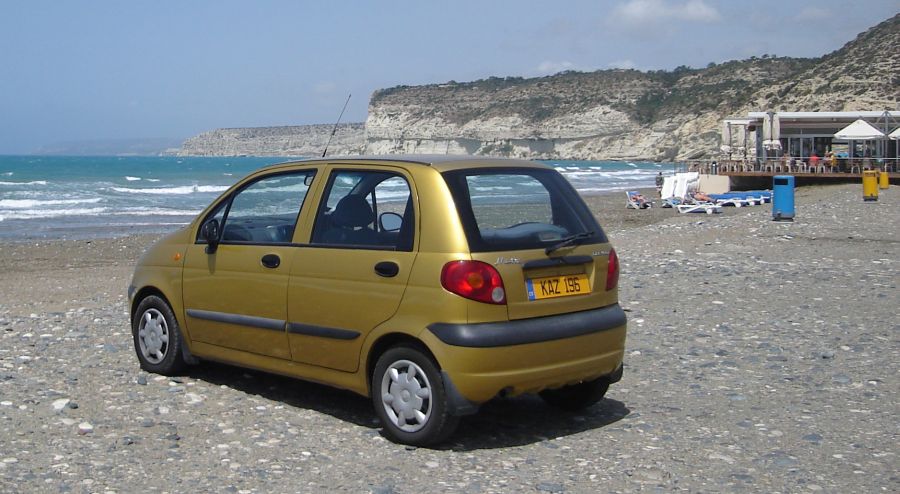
<point x="80" y="197"/>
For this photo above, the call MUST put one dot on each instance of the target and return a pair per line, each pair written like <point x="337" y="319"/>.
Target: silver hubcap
<point x="406" y="395"/>
<point x="153" y="336"/>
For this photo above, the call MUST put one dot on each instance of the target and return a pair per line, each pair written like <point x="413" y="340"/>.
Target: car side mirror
<point x="390" y="222"/>
<point x="210" y="232"/>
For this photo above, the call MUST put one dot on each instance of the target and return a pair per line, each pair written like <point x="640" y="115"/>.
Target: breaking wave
<point x="180" y="190"/>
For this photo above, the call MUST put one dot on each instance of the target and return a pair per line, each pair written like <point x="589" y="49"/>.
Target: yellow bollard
<point x="870" y="185"/>
<point x="884" y="181"/>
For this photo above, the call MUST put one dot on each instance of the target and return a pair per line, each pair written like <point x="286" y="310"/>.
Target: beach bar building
<point x="802" y="144"/>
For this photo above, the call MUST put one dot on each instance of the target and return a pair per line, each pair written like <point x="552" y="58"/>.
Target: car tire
<point x="577" y="396"/>
<point x="157" y="337"/>
<point x="409" y="397"/>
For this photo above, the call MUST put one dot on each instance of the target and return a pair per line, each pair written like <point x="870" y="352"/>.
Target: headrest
<point x="352" y="211"/>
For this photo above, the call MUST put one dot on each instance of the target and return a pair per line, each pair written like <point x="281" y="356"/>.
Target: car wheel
<point x="409" y="398"/>
<point x="157" y="337"/>
<point x="577" y="396"/>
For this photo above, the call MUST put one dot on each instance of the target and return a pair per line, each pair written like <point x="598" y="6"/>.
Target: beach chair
<point x="668" y="188"/>
<point x="731" y="200"/>
<point x="761" y="196"/>
<point x="635" y="202"/>
<point x="700" y="207"/>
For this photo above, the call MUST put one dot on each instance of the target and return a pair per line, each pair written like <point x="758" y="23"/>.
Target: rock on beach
<point x="761" y="357"/>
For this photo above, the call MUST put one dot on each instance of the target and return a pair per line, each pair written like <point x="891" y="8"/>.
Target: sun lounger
<point x="731" y="201"/>
<point x="676" y="188"/>
<point x="671" y="202"/>
<point x="700" y="207"/>
<point x="738" y="199"/>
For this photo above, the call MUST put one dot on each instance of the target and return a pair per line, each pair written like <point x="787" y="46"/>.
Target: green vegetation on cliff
<point x="644" y="96"/>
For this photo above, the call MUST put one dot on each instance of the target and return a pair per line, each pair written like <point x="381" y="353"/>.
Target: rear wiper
<point x="567" y="241"/>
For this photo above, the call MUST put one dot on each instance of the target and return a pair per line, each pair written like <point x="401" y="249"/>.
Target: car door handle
<point x="387" y="269"/>
<point x="271" y="261"/>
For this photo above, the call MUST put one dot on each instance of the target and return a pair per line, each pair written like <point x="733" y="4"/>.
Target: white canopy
<point x="859" y="130"/>
<point x="895" y="134"/>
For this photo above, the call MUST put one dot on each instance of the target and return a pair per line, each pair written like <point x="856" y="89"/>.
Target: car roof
<point x="441" y="162"/>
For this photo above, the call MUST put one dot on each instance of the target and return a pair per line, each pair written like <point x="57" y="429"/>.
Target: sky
<point x="104" y="70"/>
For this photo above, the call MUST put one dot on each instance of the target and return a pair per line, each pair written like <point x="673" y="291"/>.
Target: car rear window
<point x="519" y="208"/>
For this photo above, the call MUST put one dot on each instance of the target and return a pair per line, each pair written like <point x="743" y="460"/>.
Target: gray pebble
<point x="550" y="487"/>
<point x="813" y="438"/>
<point x="841" y="379"/>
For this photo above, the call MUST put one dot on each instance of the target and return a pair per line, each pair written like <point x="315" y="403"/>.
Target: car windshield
<point x="519" y="208"/>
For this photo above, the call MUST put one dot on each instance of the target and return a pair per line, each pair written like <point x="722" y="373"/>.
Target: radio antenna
<point x="336" y="125"/>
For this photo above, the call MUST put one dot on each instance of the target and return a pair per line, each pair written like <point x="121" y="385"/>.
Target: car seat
<point x="350" y="223"/>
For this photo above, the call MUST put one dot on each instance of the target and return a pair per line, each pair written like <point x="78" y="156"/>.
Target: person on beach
<point x="659" y="184"/>
<point x="640" y="200"/>
<point x="814" y="159"/>
<point x="701" y="196"/>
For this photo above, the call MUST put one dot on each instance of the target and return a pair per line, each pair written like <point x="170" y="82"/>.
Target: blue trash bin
<point x="783" y="198"/>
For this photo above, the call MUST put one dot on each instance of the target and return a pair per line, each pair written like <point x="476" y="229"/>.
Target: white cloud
<point x="622" y="64"/>
<point x="653" y="11"/>
<point x="551" y="67"/>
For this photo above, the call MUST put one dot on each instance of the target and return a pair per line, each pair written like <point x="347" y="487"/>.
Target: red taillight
<point x="474" y="280"/>
<point x="612" y="270"/>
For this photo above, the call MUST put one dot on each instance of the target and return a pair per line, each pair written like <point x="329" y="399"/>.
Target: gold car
<point x="431" y="284"/>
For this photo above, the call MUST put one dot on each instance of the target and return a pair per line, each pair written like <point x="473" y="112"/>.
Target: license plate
<point x="557" y="286"/>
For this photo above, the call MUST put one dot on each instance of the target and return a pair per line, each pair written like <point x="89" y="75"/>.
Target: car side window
<point x="366" y="209"/>
<point x="265" y="211"/>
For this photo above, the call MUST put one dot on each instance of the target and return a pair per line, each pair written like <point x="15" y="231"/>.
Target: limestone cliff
<point x="610" y="114"/>
<point x="613" y="114"/>
<point x="627" y="114"/>
<point x="300" y="140"/>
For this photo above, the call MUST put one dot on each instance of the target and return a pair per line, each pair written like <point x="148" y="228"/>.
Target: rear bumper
<point x="524" y="331"/>
<point x="479" y="361"/>
<point x="460" y="405"/>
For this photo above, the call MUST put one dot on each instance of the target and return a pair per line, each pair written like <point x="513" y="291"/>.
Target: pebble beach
<point x="761" y="357"/>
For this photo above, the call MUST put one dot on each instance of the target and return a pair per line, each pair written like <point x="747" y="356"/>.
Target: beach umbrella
<point x="772" y="132"/>
<point x="726" y="138"/>
<point x="859" y="130"/>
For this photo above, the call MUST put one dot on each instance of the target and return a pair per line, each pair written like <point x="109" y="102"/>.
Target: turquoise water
<point x="88" y="197"/>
